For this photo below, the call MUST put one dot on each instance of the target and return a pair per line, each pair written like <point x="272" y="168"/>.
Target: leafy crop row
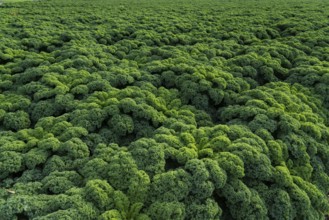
<point x="164" y="110"/>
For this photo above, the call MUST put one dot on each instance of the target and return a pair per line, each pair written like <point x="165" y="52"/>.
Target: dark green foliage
<point x="150" y="110"/>
<point x="10" y="162"/>
<point x="16" y="120"/>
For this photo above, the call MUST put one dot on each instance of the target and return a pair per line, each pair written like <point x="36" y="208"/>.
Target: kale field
<point x="160" y="110"/>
